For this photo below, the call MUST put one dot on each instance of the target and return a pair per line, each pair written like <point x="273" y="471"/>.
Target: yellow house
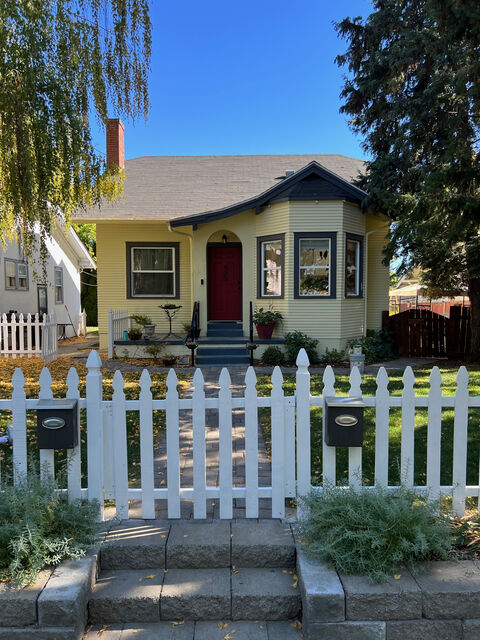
<point x="286" y="231"/>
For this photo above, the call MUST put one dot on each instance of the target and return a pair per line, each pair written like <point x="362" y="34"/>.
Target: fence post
<point x="355" y="453"/>
<point x="302" y="393"/>
<point x="110" y="334"/>
<point x="278" y="445"/>
<point x="47" y="456"/>
<point x="19" y="427"/>
<point x="95" y="430"/>
<point x="74" y="455"/>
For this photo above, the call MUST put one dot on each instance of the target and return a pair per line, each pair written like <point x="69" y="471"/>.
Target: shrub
<point x="134" y="334"/>
<point x="377" y="345"/>
<point x="40" y="528"/>
<point x="154" y="350"/>
<point x="333" y="356"/>
<point x="273" y="356"/>
<point x="373" y="531"/>
<point x="296" y="340"/>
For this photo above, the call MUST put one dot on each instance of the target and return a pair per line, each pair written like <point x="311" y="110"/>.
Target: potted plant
<point x="146" y="323"/>
<point x="169" y="360"/>
<point x="134" y="334"/>
<point x="266" y="320"/>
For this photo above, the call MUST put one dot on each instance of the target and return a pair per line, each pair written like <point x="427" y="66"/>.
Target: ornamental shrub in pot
<point x="265" y="321"/>
<point x="146" y="323"/>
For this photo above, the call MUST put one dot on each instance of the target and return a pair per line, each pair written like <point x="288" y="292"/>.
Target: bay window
<point x="315" y="265"/>
<point x="270" y="266"/>
<point x="353" y="266"/>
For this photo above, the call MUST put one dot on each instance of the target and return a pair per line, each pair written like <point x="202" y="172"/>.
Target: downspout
<point x="365" y="288"/>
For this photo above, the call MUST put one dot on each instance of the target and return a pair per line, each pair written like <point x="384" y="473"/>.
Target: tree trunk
<point x="474" y="294"/>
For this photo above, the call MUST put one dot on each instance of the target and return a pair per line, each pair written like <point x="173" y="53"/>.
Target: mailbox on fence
<point x="344" y="421"/>
<point x="57" y="423"/>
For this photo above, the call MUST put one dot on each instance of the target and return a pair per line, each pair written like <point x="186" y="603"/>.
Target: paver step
<point x="139" y="544"/>
<point x="152" y="595"/>
<point x="221" y="350"/>
<point x="222" y="360"/>
<point x="203" y="630"/>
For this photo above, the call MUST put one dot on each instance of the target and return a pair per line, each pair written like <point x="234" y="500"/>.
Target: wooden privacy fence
<point x="423" y="333"/>
<point x="107" y="445"/>
<point x="28" y="335"/>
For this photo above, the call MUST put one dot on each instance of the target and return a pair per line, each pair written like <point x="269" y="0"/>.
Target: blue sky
<point x="248" y="77"/>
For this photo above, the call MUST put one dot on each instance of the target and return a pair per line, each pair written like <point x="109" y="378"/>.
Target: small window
<point x="10" y="274"/>
<point x="353" y="266"/>
<point x="16" y="275"/>
<point x="152" y="270"/>
<point x="270" y="255"/>
<point x="58" y="285"/>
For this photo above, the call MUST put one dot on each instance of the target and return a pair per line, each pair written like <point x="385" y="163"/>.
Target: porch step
<point x="219" y="354"/>
<point x="151" y="595"/>
<point x="224" y="329"/>
<point x="214" y="360"/>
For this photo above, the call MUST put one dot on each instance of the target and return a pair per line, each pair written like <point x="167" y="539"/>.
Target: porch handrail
<point x="193" y="332"/>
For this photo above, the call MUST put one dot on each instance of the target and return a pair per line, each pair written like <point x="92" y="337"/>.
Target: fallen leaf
<point x="162" y="535"/>
<point x="150" y="577"/>
<point x="163" y="482"/>
<point x="165" y="571"/>
<point x="220" y="624"/>
<point x="186" y="535"/>
<point x="175" y="624"/>
<point x="397" y="576"/>
<point x="103" y="629"/>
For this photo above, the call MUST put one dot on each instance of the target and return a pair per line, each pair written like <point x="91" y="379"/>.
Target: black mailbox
<point x="344" y="422"/>
<point x="57" y="423"/>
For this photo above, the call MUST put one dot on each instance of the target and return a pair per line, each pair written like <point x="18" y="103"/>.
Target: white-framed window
<point x="16" y="274"/>
<point x="58" y="285"/>
<point x="353" y="266"/>
<point x="270" y="256"/>
<point x="153" y="272"/>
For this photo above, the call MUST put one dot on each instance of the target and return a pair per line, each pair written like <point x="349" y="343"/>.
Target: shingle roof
<point x="168" y="187"/>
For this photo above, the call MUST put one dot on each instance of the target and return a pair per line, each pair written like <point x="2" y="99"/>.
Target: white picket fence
<point x="118" y="322"/>
<point x="107" y="445"/>
<point x="28" y="335"/>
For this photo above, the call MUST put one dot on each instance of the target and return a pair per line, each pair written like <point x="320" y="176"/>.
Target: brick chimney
<point x="115" y="142"/>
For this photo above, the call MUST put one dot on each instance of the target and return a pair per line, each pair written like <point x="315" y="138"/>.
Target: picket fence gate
<point x="28" y="335"/>
<point x="107" y="446"/>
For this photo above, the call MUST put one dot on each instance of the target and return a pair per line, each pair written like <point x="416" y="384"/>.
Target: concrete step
<point x="194" y="594"/>
<point x="202" y="630"/>
<point x="225" y="329"/>
<point x="140" y="544"/>
<point x="213" y="360"/>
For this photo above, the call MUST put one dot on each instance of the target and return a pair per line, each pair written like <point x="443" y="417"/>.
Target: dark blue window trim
<point x="359" y="239"/>
<point x="332" y="236"/>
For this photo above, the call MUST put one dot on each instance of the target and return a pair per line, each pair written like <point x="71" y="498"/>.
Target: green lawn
<point x="368" y="388"/>
<point x="59" y="369"/>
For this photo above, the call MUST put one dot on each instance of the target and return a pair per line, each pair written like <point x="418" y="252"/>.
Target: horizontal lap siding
<point x="112" y="278"/>
<point x="378" y="273"/>
<point x="273" y="220"/>
<point x="353" y="309"/>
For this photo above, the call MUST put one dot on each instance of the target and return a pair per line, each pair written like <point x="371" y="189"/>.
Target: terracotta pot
<point x="265" y="331"/>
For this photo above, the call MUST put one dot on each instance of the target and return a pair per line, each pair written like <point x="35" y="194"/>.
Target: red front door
<point x="225" y="283"/>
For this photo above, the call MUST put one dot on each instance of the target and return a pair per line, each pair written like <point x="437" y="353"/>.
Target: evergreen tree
<point x="62" y="61"/>
<point x="413" y="93"/>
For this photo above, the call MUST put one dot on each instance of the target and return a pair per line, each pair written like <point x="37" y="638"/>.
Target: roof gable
<point x="313" y="182"/>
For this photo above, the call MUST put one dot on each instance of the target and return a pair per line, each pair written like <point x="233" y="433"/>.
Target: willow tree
<point x="63" y="62"/>
<point x="413" y="93"/>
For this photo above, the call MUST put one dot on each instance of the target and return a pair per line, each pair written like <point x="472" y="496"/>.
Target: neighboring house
<point x="411" y="294"/>
<point x="287" y="231"/>
<point x="24" y="291"/>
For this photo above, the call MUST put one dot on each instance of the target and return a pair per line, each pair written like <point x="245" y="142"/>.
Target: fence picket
<point x="173" y="447"/>
<point x="37" y="324"/>
<point x="199" y="451"/>
<point x="13" y="334"/>
<point x="74" y="455"/>
<point x="225" y="445"/>
<point x="120" y="445"/>
<point x="29" y="334"/>
<point x="94" y="430"/>
<point x="460" y="434"/>
<point x="329" y="453"/>
<point x="408" y="428"/>
<point x="146" y="446"/>
<point x="19" y="426"/>
<point x="278" y="445"/>
<point x="382" y="428"/>
<point x="355" y="453"/>
<point x="302" y="396"/>
<point x="434" y="434"/>
<point x="251" y="444"/>
<point x="47" y="456"/>
<point x="21" y="336"/>
<point x="289" y="447"/>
